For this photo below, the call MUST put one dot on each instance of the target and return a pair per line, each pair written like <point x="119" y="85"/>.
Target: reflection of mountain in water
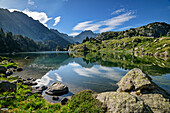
<point x="149" y="64"/>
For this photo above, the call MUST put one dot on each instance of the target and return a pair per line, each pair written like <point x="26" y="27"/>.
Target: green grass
<point x="81" y="102"/>
<point x="141" y="44"/>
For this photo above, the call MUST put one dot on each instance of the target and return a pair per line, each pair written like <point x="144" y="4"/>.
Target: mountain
<point x="88" y="33"/>
<point x="19" y="23"/>
<point x="152" y="39"/>
<point x="155" y="29"/>
<point x="18" y="43"/>
<point x="65" y="36"/>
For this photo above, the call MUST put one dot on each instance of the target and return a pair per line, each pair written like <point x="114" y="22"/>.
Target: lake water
<point x="96" y="71"/>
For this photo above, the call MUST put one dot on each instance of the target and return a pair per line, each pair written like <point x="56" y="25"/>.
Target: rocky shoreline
<point x="136" y="93"/>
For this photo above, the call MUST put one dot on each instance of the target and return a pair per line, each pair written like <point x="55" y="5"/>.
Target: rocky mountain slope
<point x="19" y="23"/>
<point x="65" y="36"/>
<point x="88" y="33"/>
<point x="145" y="45"/>
<point x="155" y="29"/>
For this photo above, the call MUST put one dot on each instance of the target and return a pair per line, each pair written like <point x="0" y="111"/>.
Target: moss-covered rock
<point x="122" y="102"/>
<point x="136" y="93"/>
<point x="135" y="79"/>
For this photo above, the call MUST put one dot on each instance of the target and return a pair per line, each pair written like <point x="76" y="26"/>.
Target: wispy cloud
<point x="57" y="20"/>
<point x="31" y="2"/>
<point x="73" y="34"/>
<point x="41" y="16"/>
<point x="124" y="28"/>
<point x="105" y="25"/>
<point x="118" y="11"/>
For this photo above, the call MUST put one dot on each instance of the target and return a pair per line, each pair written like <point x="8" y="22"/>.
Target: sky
<point x="73" y="16"/>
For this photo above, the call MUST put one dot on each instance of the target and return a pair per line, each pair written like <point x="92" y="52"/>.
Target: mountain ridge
<point x="19" y="23"/>
<point x="87" y="33"/>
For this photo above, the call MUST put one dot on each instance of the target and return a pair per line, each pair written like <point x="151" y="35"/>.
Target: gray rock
<point x="165" y="45"/>
<point x="136" y="94"/>
<point x="134" y="80"/>
<point x="4" y="110"/>
<point x="27" y="57"/>
<point x="36" y="91"/>
<point x="8" y="73"/>
<point x="57" y="88"/>
<point x="122" y="102"/>
<point x="29" y="82"/>
<point x="156" y="102"/>
<point x="7" y="86"/>
<point x="8" y="97"/>
<point x="3" y="69"/>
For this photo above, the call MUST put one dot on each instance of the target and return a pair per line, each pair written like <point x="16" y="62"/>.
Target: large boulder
<point x="57" y="89"/>
<point x="3" y="69"/>
<point x="7" y="86"/>
<point x="134" y="80"/>
<point x="122" y="102"/>
<point x="136" y="93"/>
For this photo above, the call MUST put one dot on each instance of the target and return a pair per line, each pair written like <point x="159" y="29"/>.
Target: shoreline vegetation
<point x="136" y="91"/>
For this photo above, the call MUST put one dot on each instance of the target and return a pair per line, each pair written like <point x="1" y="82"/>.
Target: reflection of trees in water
<point x="149" y="64"/>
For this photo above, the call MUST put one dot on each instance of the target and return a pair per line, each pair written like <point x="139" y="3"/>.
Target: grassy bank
<point x="22" y="102"/>
<point x="145" y="45"/>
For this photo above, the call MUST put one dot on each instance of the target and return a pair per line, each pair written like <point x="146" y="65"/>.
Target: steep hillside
<point x="65" y="36"/>
<point x="88" y="33"/>
<point x="115" y="41"/>
<point x="155" y="29"/>
<point x="20" y="23"/>
<point x="18" y="43"/>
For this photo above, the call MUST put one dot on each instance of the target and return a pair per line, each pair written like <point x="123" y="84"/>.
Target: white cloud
<point x="30" y="2"/>
<point x="116" y="21"/>
<point x="73" y="34"/>
<point x="118" y="11"/>
<point x="57" y="19"/>
<point x="41" y="16"/>
<point x="125" y="28"/>
<point x="106" y="25"/>
<point x="12" y="10"/>
<point x="82" y="25"/>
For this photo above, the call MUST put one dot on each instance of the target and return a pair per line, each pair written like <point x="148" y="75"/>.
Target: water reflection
<point x="96" y="71"/>
<point x="97" y="78"/>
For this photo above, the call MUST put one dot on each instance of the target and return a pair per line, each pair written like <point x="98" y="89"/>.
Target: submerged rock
<point x="57" y="88"/>
<point x="136" y="93"/>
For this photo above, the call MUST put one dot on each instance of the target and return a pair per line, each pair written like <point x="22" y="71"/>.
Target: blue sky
<point x="74" y="16"/>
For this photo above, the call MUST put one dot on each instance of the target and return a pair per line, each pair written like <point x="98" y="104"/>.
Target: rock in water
<point x="136" y="93"/>
<point x="7" y="86"/>
<point x="57" y="89"/>
<point x="135" y="79"/>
